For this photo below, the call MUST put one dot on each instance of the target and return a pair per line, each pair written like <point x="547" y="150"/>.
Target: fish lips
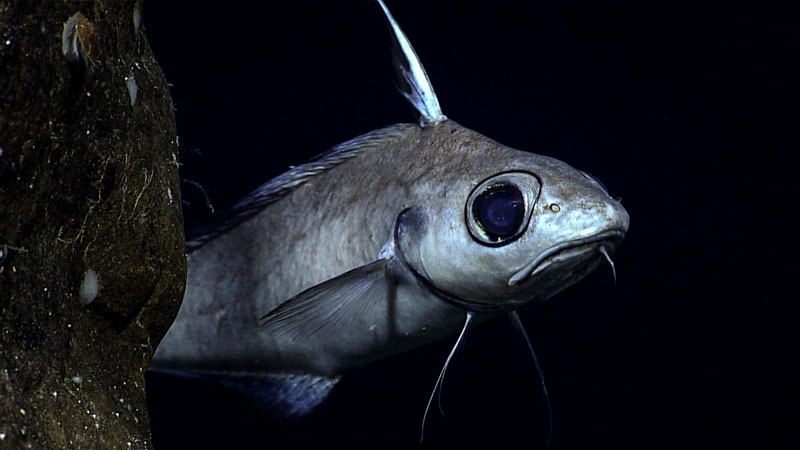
<point x="566" y="253"/>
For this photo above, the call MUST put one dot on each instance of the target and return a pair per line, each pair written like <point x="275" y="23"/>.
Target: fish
<point x="400" y="237"/>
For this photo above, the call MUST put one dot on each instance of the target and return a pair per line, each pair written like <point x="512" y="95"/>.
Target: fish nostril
<point x="555" y="208"/>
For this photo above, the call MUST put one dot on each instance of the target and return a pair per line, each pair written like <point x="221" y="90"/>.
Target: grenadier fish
<point x="392" y="240"/>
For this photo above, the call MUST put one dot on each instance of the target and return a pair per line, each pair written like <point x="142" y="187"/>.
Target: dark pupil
<point x="499" y="210"/>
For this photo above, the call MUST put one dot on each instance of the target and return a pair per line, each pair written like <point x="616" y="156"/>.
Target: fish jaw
<point x="576" y="220"/>
<point x="577" y="248"/>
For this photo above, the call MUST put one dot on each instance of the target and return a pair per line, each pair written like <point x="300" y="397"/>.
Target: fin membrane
<point x="332" y="305"/>
<point x="411" y="76"/>
<point x="284" y="396"/>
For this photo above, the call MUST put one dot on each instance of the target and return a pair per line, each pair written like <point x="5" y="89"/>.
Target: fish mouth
<point x="569" y="248"/>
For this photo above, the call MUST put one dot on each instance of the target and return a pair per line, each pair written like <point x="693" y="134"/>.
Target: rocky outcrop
<point x="92" y="263"/>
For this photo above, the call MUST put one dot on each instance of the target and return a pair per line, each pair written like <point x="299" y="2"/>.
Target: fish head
<point x="496" y="228"/>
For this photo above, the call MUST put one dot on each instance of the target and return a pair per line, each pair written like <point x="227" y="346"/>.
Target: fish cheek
<point x="447" y="259"/>
<point x="434" y="251"/>
<point x="410" y="231"/>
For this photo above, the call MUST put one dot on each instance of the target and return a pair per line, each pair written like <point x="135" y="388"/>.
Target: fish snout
<point x="577" y="235"/>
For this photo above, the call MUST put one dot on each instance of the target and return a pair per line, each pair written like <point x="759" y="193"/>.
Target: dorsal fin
<point x="281" y="185"/>
<point x="414" y="83"/>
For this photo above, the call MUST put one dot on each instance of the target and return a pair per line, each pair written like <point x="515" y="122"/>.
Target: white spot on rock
<point x="137" y="20"/>
<point x="69" y="38"/>
<point x="130" y="82"/>
<point x="89" y="287"/>
<point x="79" y="39"/>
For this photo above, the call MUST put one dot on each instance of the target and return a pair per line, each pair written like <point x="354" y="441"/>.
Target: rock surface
<point x="92" y="263"/>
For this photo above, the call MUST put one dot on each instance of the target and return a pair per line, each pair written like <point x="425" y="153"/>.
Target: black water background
<point x="686" y="111"/>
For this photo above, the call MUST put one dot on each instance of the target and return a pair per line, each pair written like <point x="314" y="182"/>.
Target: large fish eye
<point x="498" y="209"/>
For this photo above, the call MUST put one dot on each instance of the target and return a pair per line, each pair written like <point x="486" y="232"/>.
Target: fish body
<point x="350" y="215"/>
<point x="379" y="246"/>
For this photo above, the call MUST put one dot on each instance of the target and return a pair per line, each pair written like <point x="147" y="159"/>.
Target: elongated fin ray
<point x="439" y="380"/>
<point x="517" y="324"/>
<point x="414" y="83"/>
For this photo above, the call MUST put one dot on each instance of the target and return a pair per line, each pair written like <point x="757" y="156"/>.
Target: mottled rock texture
<point x="92" y="266"/>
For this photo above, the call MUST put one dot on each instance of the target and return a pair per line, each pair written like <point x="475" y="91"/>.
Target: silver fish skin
<point x="378" y="246"/>
<point x="374" y="249"/>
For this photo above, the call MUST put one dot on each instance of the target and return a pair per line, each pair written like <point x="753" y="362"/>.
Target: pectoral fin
<point x="337" y="303"/>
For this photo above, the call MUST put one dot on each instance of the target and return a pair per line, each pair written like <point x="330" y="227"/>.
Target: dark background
<point x="688" y="112"/>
